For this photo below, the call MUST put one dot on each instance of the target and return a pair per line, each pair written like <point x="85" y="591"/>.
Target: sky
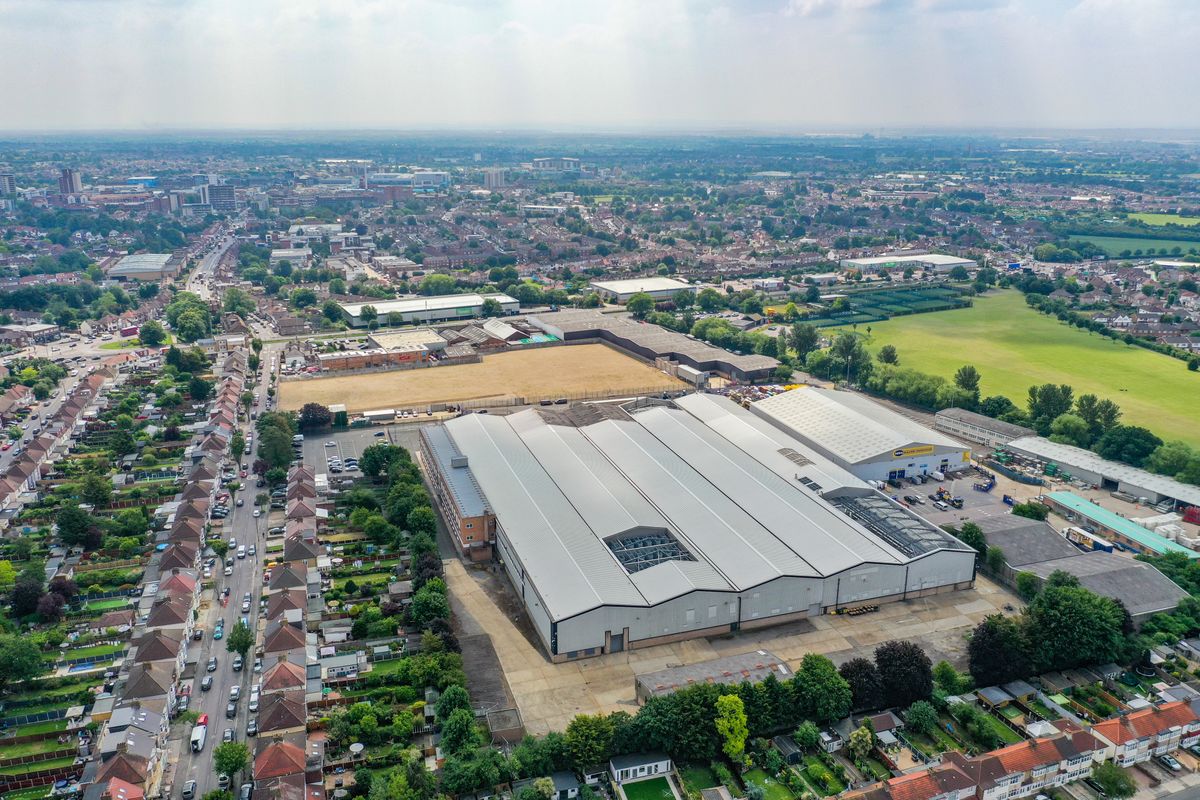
<point x="599" y="65"/>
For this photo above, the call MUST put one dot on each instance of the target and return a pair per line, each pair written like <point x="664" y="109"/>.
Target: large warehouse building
<point x="858" y="434"/>
<point x="935" y="262"/>
<point x="622" y="526"/>
<point x="430" y="309"/>
<point x="658" y="288"/>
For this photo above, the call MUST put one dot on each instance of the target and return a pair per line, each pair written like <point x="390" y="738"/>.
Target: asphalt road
<point x="247" y="529"/>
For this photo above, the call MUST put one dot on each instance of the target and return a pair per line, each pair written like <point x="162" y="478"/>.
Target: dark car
<point x="212" y="665"/>
<point x="252" y="728"/>
<point x="207" y="683"/>
<point x="230" y="710"/>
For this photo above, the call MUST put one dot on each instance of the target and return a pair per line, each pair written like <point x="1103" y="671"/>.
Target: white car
<point x="258" y="512"/>
<point x="229" y="570"/>
<point x="331" y="444"/>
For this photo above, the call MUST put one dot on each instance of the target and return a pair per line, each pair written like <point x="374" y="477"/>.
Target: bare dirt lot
<point x="574" y="371"/>
<point x="549" y="695"/>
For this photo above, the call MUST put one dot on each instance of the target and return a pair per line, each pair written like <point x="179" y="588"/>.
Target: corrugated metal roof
<point x="1110" y="519"/>
<point x="559" y="492"/>
<point x="850" y="426"/>
<point x="1070" y="456"/>
<point x="462" y="484"/>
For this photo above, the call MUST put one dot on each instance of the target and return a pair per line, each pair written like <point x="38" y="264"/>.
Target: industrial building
<point x="1087" y="466"/>
<point x="429" y="309"/>
<point x="144" y="267"/>
<point x="628" y="525"/>
<point x="1036" y="547"/>
<point x="659" y="289"/>
<point x="1112" y="526"/>
<point x="653" y="343"/>
<point x="866" y="438"/>
<point x="978" y="428"/>
<point x="934" y="262"/>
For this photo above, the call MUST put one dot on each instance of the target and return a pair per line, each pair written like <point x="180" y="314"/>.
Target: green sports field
<point x="1165" y="219"/>
<point x="1113" y="246"/>
<point x="1014" y="347"/>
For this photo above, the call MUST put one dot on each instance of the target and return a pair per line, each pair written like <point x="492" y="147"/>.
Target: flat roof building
<point x="651" y="342"/>
<point x="664" y="521"/>
<point x="862" y="436"/>
<point x="658" y="288"/>
<point x="937" y="262"/>
<point x="978" y="428"/>
<point x="144" y="267"/>
<point x="430" y="309"/>
<point x="1087" y="466"/>
<point x="1112" y="526"/>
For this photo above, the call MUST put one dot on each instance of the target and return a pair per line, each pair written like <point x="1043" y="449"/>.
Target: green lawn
<point x="699" y="777"/>
<point x="369" y="579"/>
<point x="107" y="604"/>
<point x="36" y="793"/>
<point x="1165" y="219"/>
<point x="93" y="651"/>
<point x="1014" y="346"/>
<point x="774" y="790"/>
<point x="21" y="769"/>
<point x="1113" y="246"/>
<point x="130" y="344"/>
<point x="878" y="769"/>
<point x="1043" y="709"/>
<point x="49" y="726"/>
<point x="1006" y="734"/>
<point x="30" y="748"/>
<point x="649" y="789"/>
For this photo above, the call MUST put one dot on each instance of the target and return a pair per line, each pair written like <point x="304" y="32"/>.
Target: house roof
<point x="281" y="710"/>
<point x="148" y="680"/>
<point x="283" y="675"/>
<point x="156" y="646"/>
<point x="1147" y="722"/>
<point x="281" y="636"/>
<point x="278" y="759"/>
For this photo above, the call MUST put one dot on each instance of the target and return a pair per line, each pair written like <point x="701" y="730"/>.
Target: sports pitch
<point x="1113" y="246"/>
<point x="544" y="373"/>
<point x="1165" y="219"/>
<point x="1014" y="347"/>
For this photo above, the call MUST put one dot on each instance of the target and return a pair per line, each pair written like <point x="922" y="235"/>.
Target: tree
<point x="8" y="575"/>
<point x="314" y="416"/>
<point x="199" y="389"/>
<point x="710" y="300"/>
<point x="948" y="679"/>
<point x="1070" y="429"/>
<point x="1069" y="626"/>
<point x="49" y="607"/>
<point x="454" y="698"/>
<point x="73" y="524"/>
<point x="994" y="558"/>
<point x="459" y="734"/>
<point x="862" y="741"/>
<point x="905" y="672"/>
<point x="275" y="447"/>
<point x="239" y="639"/>
<point x="1130" y="444"/>
<point x="1115" y="781"/>
<point x="26" y="593"/>
<point x="959" y="273"/>
<point x="20" y="660"/>
<point x="805" y="338"/>
<point x="1048" y="402"/>
<point x="866" y="688"/>
<point x="684" y="298"/>
<point x="967" y="379"/>
<point x="640" y="304"/>
<point x="971" y="535"/>
<point x="429" y="603"/>
<point x="807" y="735"/>
<point x="437" y="284"/>
<point x="95" y="490"/>
<point x="887" y="355"/>
<point x="377" y="458"/>
<point x="491" y="308"/>
<point x="64" y="587"/>
<point x="1031" y="510"/>
<point x="230" y="758"/>
<point x="1028" y="585"/>
<point x="152" y="333"/>
<point x="996" y="652"/>
<point x="589" y="740"/>
<point x="821" y="693"/>
<point x="732" y="726"/>
<point x="921" y="717"/>
<point x="192" y="325"/>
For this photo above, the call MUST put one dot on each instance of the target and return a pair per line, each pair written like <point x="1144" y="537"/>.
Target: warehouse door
<point x="616" y="643"/>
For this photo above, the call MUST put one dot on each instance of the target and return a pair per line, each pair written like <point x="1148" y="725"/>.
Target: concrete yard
<point x="571" y="371"/>
<point x="549" y="695"/>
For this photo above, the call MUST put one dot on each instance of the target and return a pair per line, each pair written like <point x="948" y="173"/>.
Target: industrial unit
<point x="659" y="289"/>
<point x="1112" y="526"/>
<point x="653" y="342"/>
<point x="627" y="525"/>
<point x="978" y="428"/>
<point x="936" y="262"/>
<point x="1087" y="466"/>
<point x="430" y="309"/>
<point x="144" y="267"/>
<point x="868" y="439"/>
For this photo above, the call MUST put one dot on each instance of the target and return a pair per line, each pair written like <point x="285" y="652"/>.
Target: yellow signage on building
<point x="919" y="450"/>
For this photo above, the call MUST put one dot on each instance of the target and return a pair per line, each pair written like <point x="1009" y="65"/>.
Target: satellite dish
<point x="357" y="748"/>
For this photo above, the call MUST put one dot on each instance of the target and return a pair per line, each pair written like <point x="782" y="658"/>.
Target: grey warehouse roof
<point x="850" y="426"/>
<point x="985" y="422"/>
<point x="703" y="474"/>
<point x="1140" y="586"/>
<point x="462" y="484"/>
<point x="1077" y="457"/>
<point x="141" y="262"/>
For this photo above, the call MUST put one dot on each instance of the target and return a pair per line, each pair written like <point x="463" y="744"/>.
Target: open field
<point x="1115" y="245"/>
<point x="1165" y="219"/>
<point x="544" y="373"/>
<point x="1014" y="346"/>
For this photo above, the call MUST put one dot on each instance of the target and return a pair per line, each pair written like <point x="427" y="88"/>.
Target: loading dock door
<point x="616" y="643"/>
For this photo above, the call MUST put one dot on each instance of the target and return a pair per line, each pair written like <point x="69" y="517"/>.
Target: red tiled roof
<point x="1147" y="722"/>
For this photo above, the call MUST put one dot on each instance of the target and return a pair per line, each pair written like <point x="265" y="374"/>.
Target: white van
<point x="241" y="551"/>
<point x="199" y="735"/>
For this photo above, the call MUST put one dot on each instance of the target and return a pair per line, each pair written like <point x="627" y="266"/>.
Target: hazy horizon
<point x="770" y="67"/>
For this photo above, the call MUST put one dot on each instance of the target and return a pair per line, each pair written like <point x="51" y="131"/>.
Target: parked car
<point x="252" y="728"/>
<point x="1170" y="762"/>
<point x="227" y="736"/>
<point x="237" y="667"/>
<point x="189" y="790"/>
<point x="207" y="683"/>
<point x="212" y="663"/>
<point x="230" y="710"/>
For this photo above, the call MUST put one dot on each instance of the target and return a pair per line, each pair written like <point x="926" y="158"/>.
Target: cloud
<point x="778" y="64"/>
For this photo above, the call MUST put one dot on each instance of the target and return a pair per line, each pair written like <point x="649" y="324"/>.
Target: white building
<point x="667" y="521"/>
<point x="658" y="288"/>
<point x="935" y="262"/>
<point x="868" y="439"/>
<point x="430" y="309"/>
